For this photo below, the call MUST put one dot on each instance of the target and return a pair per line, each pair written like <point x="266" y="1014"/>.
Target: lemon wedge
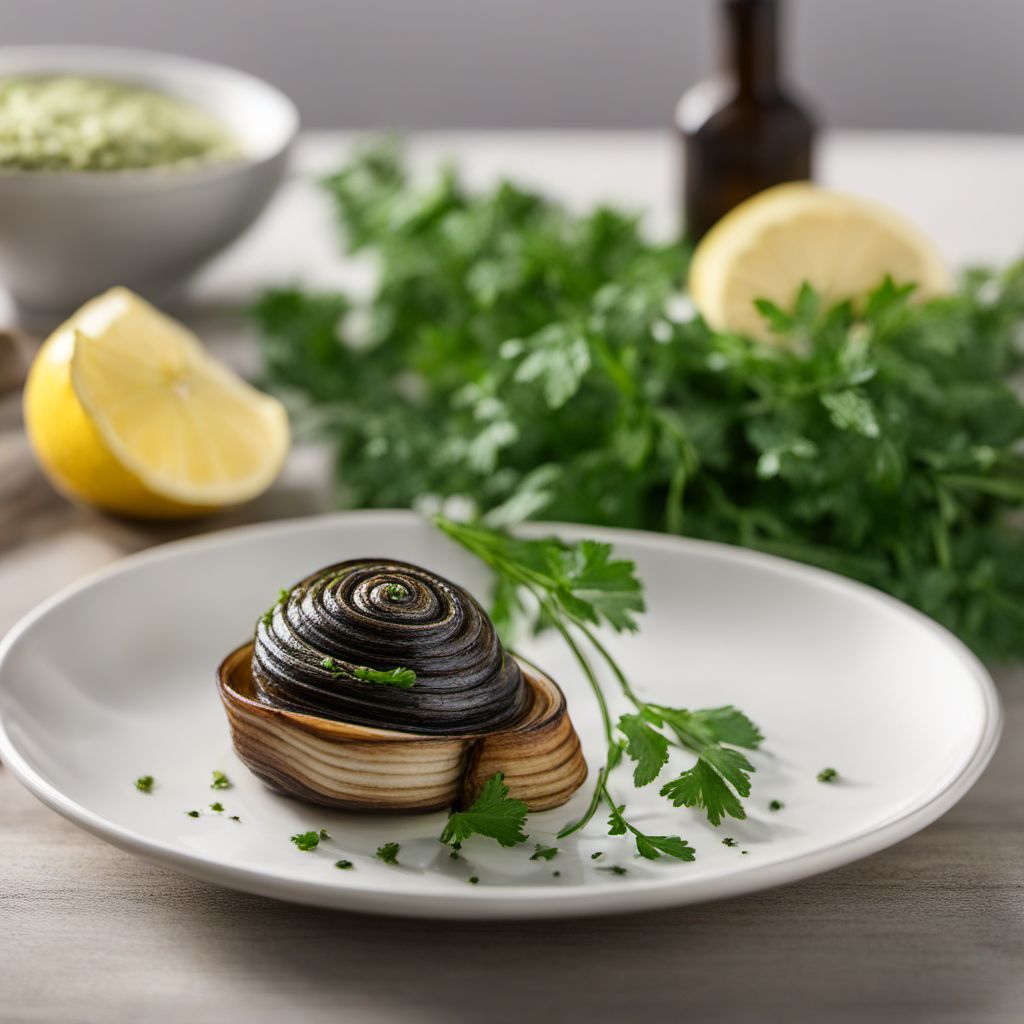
<point x="126" y="411"/>
<point x="842" y="245"/>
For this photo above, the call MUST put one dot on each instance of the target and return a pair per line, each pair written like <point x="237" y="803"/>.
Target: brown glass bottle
<point x="741" y="131"/>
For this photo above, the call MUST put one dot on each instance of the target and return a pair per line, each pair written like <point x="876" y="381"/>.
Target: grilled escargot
<point x="377" y="685"/>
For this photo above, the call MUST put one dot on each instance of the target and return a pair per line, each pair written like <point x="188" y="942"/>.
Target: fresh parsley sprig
<point x="580" y="586"/>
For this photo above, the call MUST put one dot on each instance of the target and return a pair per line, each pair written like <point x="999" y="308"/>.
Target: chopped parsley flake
<point x="220" y="781"/>
<point x="389" y="852"/>
<point x="614" y="869"/>
<point x="268" y="616"/>
<point x="306" y="841"/>
<point x="596" y="856"/>
<point x="729" y="841"/>
<point x="544" y="852"/>
<point x="403" y="678"/>
<point x="776" y="805"/>
<point x="828" y="775"/>
<point x="473" y="880"/>
<point x="217" y="806"/>
<point x="343" y="864"/>
<point x="192" y="814"/>
<point x="235" y="817"/>
<point x="144" y="783"/>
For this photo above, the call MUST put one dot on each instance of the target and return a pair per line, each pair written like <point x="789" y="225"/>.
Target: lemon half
<point x="842" y="245"/>
<point x="126" y="411"/>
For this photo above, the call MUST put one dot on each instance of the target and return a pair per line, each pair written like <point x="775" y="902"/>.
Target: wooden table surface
<point x="930" y="930"/>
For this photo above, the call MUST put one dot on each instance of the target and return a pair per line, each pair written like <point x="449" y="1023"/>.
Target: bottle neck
<point x="751" y="51"/>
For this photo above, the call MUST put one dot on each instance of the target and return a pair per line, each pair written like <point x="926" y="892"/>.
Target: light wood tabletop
<point x="930" y="930"/>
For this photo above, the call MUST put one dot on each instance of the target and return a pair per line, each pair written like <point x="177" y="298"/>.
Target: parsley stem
<point x="584" y="664"/>
<point x="595" y="802"/>
<point x="602" y="703"/>
<point x="613" y="665"/>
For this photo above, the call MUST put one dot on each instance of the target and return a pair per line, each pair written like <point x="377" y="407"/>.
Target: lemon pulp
<point x="126" y="410"/>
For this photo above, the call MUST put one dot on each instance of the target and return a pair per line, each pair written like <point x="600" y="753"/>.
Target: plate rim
<point x="517" y="902"/>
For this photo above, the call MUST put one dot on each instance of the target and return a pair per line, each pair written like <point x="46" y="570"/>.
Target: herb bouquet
<point x="543" y="364"/>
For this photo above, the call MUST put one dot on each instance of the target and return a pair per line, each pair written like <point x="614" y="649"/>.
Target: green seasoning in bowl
<point x="66" y="123"/>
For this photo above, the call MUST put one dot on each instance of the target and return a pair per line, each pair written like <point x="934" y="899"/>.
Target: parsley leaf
<point x="729" y="725"/>
<point x="731" y="765"/>
<point x="558" y="357"/>
<point x="702" y="786"/>
<point x="651" y="847"/>
<point x="595" y="587"/>
<point x="646" y="746"/>
<point x="582" y="579"/>
<point x="493" y="814"/>
<point x="699" y="729"/>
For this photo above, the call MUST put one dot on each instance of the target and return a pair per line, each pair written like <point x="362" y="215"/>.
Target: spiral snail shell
<point x="378" y="685"/>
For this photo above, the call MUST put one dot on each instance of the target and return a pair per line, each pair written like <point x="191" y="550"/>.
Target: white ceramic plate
<point x="114" y="678"/>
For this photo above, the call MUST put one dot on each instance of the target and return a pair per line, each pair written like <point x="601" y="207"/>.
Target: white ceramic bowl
<point x="65" y="237"/>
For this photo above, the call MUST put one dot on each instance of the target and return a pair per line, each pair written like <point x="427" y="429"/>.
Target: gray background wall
<point x="927" y="64"/>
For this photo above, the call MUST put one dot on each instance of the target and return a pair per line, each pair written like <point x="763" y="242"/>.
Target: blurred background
<point x="874" y="64"/>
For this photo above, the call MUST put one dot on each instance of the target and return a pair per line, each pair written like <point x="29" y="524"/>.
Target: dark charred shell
<point x="382" y="614"/>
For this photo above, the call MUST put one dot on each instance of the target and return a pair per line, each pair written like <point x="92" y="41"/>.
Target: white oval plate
<point x="114" y="678"/>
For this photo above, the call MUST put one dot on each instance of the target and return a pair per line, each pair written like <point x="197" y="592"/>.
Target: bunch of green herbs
<point x="542" y="363"/>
